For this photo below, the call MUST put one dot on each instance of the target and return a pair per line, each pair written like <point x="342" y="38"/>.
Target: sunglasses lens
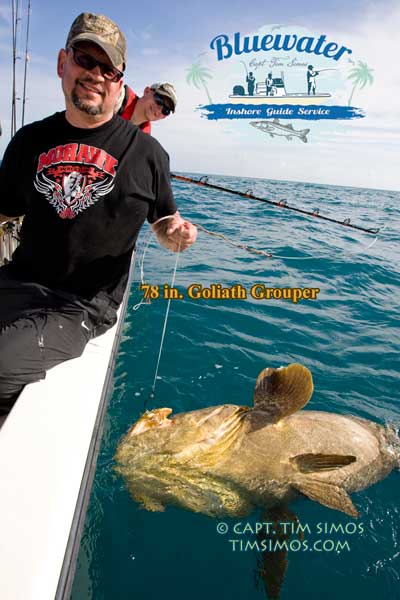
<point x="159" y="100"/>
<point x="113" y="75"/>
<point x="88" y="63"/>
<point x="84" y="60"/>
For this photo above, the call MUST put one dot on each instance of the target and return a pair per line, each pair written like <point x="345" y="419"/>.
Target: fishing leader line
<point x="269" y="254"/>
<point x="232" y="243"/>
<point x="141" y="254"/>
<point x="152" y="393"/>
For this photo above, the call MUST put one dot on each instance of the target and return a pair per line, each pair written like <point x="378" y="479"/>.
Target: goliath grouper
<point x="227" y="460"/>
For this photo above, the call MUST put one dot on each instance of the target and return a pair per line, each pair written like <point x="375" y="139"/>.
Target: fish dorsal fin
<point x="276" y="121"/>
<point x="282" y="392"/>
<point x="290" y="126"/>
<point x="328" y="494"/>
<point x="307" y="463"/>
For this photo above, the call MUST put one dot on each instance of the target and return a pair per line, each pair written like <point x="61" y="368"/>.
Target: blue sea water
<point x="213" y="351"/>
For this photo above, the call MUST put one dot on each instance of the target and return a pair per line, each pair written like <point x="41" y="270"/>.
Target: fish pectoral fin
<point x="210" y="450"/>
<point x="328" y="494"/>
<point x="281" y="392"/>
<point x="307" y="463"/>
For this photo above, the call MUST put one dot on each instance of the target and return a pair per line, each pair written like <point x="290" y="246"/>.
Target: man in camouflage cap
<point x="101" y="31"/>
<point x="86" y="180"/>
<point x="91" y="39"/>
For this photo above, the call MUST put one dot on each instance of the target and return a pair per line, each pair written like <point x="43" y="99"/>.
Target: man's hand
<point x="175" y="233"/>
<point x="5" y="219"/>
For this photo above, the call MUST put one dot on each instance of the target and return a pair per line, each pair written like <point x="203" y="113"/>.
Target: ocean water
<point x="213" y="351"/>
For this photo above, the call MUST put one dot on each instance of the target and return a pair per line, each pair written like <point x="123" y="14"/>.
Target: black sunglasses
<point x="86" y="61"/>
<point x="159" y="100"/>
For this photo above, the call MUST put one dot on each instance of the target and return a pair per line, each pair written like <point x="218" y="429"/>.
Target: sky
<point x="165" y="42"/>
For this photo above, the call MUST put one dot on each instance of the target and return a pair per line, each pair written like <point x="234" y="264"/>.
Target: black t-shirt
<point x="85" y="194"/>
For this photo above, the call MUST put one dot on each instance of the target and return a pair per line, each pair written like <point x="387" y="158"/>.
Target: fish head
<point x="200" y="438"/>
<point x="156" y="432"/>
<point x="172" y="459"/>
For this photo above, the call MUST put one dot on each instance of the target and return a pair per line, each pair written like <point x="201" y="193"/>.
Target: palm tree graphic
<point x="362" y="76"/>
<point x="197" y="74"/>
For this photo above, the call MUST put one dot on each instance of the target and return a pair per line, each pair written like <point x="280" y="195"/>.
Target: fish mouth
<point x="151" y="419"/>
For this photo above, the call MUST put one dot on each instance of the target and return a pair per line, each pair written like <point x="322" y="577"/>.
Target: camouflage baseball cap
<point x="101" y="31"/>
<point x="168" y="91"/>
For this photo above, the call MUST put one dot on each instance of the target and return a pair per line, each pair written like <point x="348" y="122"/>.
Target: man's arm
<point x="175" y="233"/>
<point x="12" y="192"/>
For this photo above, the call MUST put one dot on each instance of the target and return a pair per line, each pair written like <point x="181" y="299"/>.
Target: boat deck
<point x="47" y="447"/>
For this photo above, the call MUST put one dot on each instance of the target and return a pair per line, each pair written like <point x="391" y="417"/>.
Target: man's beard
<point x="89" y="109"/>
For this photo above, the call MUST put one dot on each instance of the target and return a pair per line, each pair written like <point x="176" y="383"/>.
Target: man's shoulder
<point x="46" y="123"/>
<point x="158" y="150"/>
<point x="50" y="120"/>
<point x="147" y="140"/>
<point x="33" y="132"/>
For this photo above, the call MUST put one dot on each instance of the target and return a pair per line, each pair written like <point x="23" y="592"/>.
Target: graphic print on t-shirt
<point x="74" y="176"/>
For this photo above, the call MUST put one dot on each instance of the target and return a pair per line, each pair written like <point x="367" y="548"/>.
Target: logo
<point x="74" y="177"/>
<point x="278" y="75"/>
<point x="310" y="45"/>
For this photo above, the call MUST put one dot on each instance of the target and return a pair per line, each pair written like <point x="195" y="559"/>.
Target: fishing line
<point x="250" y="248"/>
<point x="369" y="245"/>
<point x="152" y="393"/>
<point x="232" y="243"/>
<point x="146" y="243"/>
<point x="363" y="248"/>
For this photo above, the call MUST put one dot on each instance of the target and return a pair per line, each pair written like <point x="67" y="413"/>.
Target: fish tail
<point x="303" y="135"/>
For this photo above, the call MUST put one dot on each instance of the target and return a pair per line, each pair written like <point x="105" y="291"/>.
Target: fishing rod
<point x="245" y="66"/>
<point x="15" y="19"/>
<point x="26" y="64"/>
<point x="203" y="181"/>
